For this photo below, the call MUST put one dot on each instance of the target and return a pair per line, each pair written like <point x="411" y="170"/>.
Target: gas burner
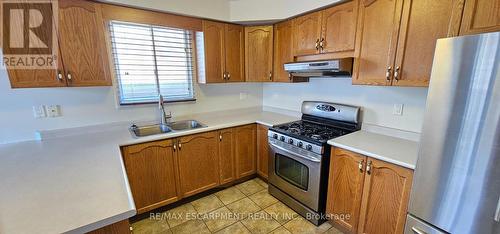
<point x="316" y="137"/>
<point x="294" y="130"/>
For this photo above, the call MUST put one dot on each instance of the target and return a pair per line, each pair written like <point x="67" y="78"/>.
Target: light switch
<point x="39" y="112"/>
<point x="53" y="111"/>
<point x="243" y="96"/>
<point x="397" y="109"/>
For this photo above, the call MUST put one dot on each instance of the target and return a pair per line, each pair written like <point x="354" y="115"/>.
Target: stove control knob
<point x="290" y="141"/>
<point x="282" y="138"/>
<point x="275" y="136"/>
<point x="300" y="144"/>
<point x="309" y="147"/>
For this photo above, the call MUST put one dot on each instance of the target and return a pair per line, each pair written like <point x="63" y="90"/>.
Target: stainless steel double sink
<point x="154" y="129"/>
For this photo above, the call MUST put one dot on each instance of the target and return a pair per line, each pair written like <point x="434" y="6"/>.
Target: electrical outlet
<point x="39" y="112"/>
<point x="243" y="96"/>
<point x="397" y="109"/>
<point x="53" y="111"/>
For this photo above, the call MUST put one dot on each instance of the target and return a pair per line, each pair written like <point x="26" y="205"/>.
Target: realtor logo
<point x="29" y="39"/>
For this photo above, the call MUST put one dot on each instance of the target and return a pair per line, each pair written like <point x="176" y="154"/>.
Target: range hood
<point x="334" y="67"/>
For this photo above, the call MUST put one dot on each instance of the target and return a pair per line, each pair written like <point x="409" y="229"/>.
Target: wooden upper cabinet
<point x="198" y="162"/>
<point x="376" y="41"/>
<point x="245" y="150"/>
<point x="82" y="43"/>
<point x="34" y="78"/>
<point x="262" y="151"/>
<point x="306" y="34"/>
<point x="345" y="188"/>
<point x="423" y="22"/>
<point x="480" y="16"/>
<point x="259" y="53"/>
<point x="282" y="50"/>
<point x="213" y="35"/>
<point x="226" y="156"/>
<point x="386" y="193"/>
<point x="152" y="174"/>
<point x="338" y="28"/>
<point x="235" y="53"/>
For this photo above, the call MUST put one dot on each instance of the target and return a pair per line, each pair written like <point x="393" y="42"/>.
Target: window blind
<point x="152" y="60"/>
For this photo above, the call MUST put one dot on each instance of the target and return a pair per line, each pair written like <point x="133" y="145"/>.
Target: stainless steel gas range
<point x="299" y="156"/>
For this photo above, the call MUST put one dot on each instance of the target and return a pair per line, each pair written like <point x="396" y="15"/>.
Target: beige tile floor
<point x="243" y="208"/>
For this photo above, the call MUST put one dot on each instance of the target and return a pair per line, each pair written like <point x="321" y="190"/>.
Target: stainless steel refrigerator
<point x="456" y="186"/>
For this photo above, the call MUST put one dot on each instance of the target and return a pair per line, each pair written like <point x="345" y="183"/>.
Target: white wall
<point x="254" y="10"/>
<point x="376" y="102"/>
<point x="213" y="9"/>
<point x="89" y="106"/>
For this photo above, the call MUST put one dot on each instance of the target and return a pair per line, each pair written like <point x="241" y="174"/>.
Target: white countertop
<point x="77" y="182"/>
<point x="386" y="148"/>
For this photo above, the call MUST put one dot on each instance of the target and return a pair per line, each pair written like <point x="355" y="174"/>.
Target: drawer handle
<point x="396" y="73"/>
<point x="317" y="44"/>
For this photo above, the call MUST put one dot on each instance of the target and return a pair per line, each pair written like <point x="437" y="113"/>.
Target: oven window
<point x="292" y="171"/>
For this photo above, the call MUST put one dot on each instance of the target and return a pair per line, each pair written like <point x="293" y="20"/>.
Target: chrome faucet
<point x="164" y="118"/>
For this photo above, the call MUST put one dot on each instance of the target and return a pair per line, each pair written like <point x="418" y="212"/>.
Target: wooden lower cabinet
<point x="262" y="151"/>
<point x="375" y="195"/>
<point x="122" y="227"/>
<point x="163" y="172"/>
<point x="227" y="168"/>
<point x="198" y="162"/>
<point x="152" y="174"/>
<point x="345" y="188"/>
<point x="245" y="150"/>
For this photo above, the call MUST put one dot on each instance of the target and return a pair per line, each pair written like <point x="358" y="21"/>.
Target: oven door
<point x="296" y="172"/>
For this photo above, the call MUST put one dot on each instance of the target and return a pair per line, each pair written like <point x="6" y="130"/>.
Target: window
<point x="152" y="60"/>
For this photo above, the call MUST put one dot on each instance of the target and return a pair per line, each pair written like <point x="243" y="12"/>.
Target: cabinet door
<point x="345" y="188"/>
<point x="306" y="33"/>
<point x="480" y="16"/>
<point x="152" y="174"/>
<point x="259" y="53"/>
<point x="282" y="50"/>
<point x="226" y="156"/>
<point x="235" y="53"/>
<point x="82" y="43"/>
<point x="423" y="22"/>
<point x="34" y="78"/>
<point x="262" y="151"/>
<point x="198" y="162"/>
<point x="338" y="32"/>
<point x="245" y="150"/>
<point x="213" y="35"/>
<point x="385" y="198"/>
<point x="376" y="41"/>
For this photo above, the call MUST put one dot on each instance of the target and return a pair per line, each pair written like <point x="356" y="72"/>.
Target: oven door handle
<point x="295" y="154"/>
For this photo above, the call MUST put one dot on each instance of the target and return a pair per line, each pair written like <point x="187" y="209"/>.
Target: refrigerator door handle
<point x="497" y="213"/>
<point x="417" y="230"/>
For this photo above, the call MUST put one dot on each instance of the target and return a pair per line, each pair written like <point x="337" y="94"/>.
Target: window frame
<point x="192" y="34"/>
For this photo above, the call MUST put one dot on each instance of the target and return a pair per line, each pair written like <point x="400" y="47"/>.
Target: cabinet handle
<point x="175" y="147"/>
<point x="180" y="146"/>
<point x="317" y="44"/>
<point x="321" y="43"/>
<point x="417" y="230"/>
<point x="290" y="76"/>
<point x="396" y="73"/>
<point x="360" y="166"/>
<point x="270" y="75"/>
<point x="59" y="76"/>
<point x="388" y="73"/>
<point x="224" y="75"/>
<point x="69" y="76"/>
<point x="369" y="168"/>
<point x="228" y="76"/>
<point x="497" y="213"/>
<point x="220" y="137"/>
